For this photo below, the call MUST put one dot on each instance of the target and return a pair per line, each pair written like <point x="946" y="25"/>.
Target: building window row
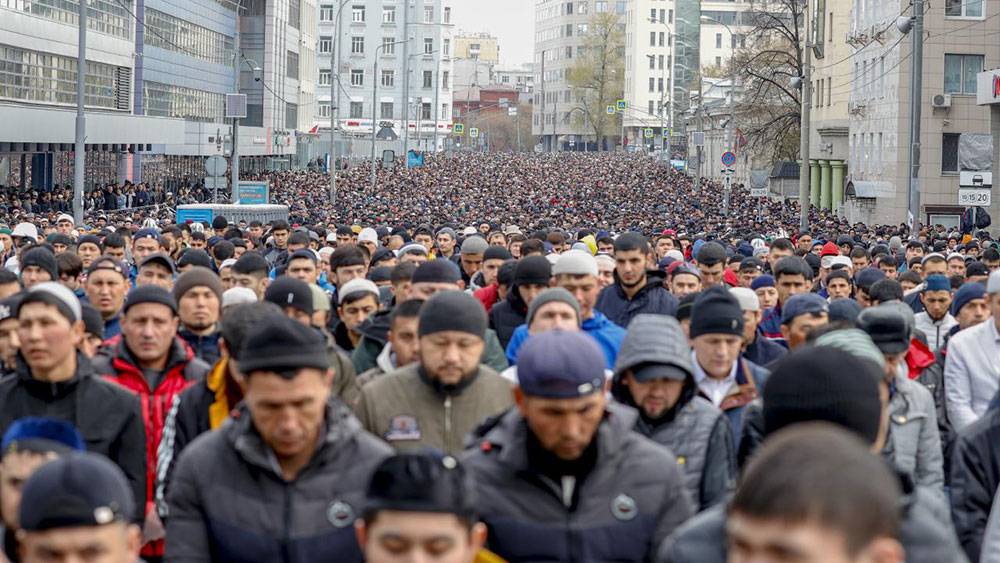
<point x="36" y="77"/>
<point x="167" y="100"/>
<point x="174" y="34"/>
<point x="104" y="16"/>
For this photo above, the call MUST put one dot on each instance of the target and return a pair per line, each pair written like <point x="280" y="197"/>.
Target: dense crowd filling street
<point x="494" y="357"/>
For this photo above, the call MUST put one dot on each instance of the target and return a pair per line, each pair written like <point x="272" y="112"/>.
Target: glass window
<point x="357" y="77"/>
<point x="388" y="78"/>
<point x="718" y="40"/>
<point x="357" y="110"/>
<point x="324" y="109"/>
<point x="428" y="45"/>
<point x="385" y="110"/>
<point x="652" y="39"/>
<point x="425" y="110"/>
<point x="292" y="116"/>
<point x="444" y="79"/>
<point x="389" y="45"/>
<point x="652" y="84"/>
<point x="295" y="13"/>
<point x="167" y="100"/>
<point x="960" y="73"/>
<point x="963" y="8"/>
<point x="181" y="36"/>
<point x="325" y="44"/>
<point x="37" y="77"/>
<point x="324" y="77"/>
<point x="326" y="12"/>
<point x="292" y="65"/>
<point x="357" y="45"/>
<point x="428" y="14"/>
<point x="428" y="79"/>
<point x="600" y="6"/>
<point x="446" y="47"/>
<point x="358" y="14"/>
<point x="949" y="152"/>
<point x="447" y="15"/>
<point x="108" y="17"/>
<point x="652" y="62"/>
<point x="389" y="14"/>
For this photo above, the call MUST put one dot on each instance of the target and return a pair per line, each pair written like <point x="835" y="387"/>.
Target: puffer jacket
<point x="696" y="432"/>
<point x="229" y="504"/>
<point x="628" y="504"/>
<point x="913" y="443"/>
<point x="975" y="476"/>
<point x="935" y="331"/>
<point x="651" y="298"/>
<point x="116" y="364"/>
<point x="605" y="333"/>
<point x="702" y="539"/>
<point x="108" y="417"/>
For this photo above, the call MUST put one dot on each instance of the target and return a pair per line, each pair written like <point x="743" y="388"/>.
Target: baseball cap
<point x="803" y="304"/>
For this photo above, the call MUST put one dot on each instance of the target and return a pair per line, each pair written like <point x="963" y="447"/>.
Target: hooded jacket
<point x="607" y="334"/>
<point x="230" y="503"/>
<point x="913" y="443"/>
<point x="694" y="430"/>
<point x="410" y="411"/>
<point x="702" y="539"/>
<point x="651" y="298"/>
<point x="507" y="315"/>
<point x="631" y="500"/>
<point x="107" y="416"/>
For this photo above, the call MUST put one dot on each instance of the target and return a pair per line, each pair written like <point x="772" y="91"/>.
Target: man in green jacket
<point x="439" y="399"/>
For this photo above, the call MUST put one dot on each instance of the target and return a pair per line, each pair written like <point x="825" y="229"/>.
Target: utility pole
<point x="916" y="100"/>
<point x="335" y="107"/>
<point x="79" y="155"/>
<point x="437" y="92"/>
<point x="698" y="147"/>
<point x="235" y="154"/>
<point x="406" y="79"/>
<point x="804" y="124"/>
<point x="543" y="96"/>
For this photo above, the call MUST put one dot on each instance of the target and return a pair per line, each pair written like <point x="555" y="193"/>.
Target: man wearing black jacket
<point x="54" y="380"/>
<point x="531" y="275"/>
<point x="636" y="290"/>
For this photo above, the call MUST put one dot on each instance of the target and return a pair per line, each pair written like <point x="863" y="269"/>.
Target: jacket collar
<point x="179" y="353"/>
<point x="52" y="390"/>
<point x="339" y="426"/>
<point x="386" y="359"/>
<point x="510" y="435"/>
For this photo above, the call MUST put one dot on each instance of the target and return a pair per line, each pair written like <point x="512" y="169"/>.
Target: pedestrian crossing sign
<point x="622" y="105"/>
<point x="459" y="129"/>
<point x="473" y="132"/>
<point x="647" y="133"/>
<point x="665" y="133"/>
<point x="610" y="110"/>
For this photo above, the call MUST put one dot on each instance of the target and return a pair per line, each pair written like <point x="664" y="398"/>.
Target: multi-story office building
<point x="157" y="75"/>
<point x="520" y="78"/>
<point x="411" y="41"/>
<point x="560" y="26"/>
<point x="959" y="42"/>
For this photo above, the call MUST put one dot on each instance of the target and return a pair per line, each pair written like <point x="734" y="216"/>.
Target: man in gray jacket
<point x="563" y="477"/>
<point x="284" y="479"/>
<point x="653" y="374"/>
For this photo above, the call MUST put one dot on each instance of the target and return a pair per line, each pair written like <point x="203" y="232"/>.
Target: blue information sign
<point x="253" y="193"/>
<point x="195" y="215"/>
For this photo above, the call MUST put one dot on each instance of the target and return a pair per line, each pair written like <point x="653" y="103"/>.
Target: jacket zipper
<point x="447" y="420"/>
<point x="286" y="532"/>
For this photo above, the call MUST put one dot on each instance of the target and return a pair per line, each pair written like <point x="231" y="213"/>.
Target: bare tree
<point x="769" y="110"/>
<point x="502" y="129"/>
<point x="598" y="77"/>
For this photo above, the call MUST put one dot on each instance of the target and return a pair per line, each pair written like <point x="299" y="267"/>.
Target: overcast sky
<point x="511" y="21"/>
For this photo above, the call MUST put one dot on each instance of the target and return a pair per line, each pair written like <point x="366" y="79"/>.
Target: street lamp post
<point x="335" y="106"/>
<point x="375" y="80"/>
<point x="665" y="140"/>
<point x="730" y="137"/>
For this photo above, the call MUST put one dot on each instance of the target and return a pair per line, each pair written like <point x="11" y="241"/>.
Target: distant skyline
<point x="512" y="22"/>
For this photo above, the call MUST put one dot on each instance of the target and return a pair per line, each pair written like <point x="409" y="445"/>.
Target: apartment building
<point x="410" y="91"/>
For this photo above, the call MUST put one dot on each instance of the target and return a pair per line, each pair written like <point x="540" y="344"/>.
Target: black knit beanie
<point x="452" y="310"/>
<point x="42" y="258"/>
<point x="821" y="383"/>
<point x="279" y="344"/>
<point x="716" y="311"/>
<point x="533" y="270"/>
<point x="441" y="270"/>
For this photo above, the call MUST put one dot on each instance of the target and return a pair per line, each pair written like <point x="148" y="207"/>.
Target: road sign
<point x="975" y="197"/>
<point x="647" y="133"/>
<point x="473" y="132"/>
<point x="698" y="138"/>
<point x="512" y="111"/>
<point x="459" y="129"/>
<point x="758" y="192"/>
<point x="728" y="158"/>
<point x="610" y="110"/>
<point x="622" y="105"/>
<point x="216" y="165"/>
<point x="215" y="183"/>
<point x="665" y="133"/>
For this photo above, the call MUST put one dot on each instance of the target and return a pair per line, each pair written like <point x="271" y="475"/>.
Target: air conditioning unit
<point x="941" y="101"/>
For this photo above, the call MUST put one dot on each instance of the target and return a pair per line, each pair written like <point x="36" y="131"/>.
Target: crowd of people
<point x="498" y="358"/>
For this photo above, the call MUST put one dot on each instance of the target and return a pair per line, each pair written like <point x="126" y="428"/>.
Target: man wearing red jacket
<point x="150" y="360"/>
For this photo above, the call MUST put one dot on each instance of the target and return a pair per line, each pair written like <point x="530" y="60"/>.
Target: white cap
<point x="575" y="263"/>
<point x="357" y="285"/>
<point x="332" y="237"/>
<point x="846" y="261"/>
<point x="65" y="217"/>
<point x="677" y="255"/>
<point x="238" y="296"/>
<point x="826" y="262"/>
<point x="413" y="246"/>
<point x="25" y="230"/>
<point x="607" y="259"/>
<point x="747" y="298"/>
<point x="63" y="294"/>
<point x="468" y="231"/>
<point x="368" y="234"/>
<point x="228" y="262"/>
<point x="993" y="283"/>
<point x="325" y="252"/>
